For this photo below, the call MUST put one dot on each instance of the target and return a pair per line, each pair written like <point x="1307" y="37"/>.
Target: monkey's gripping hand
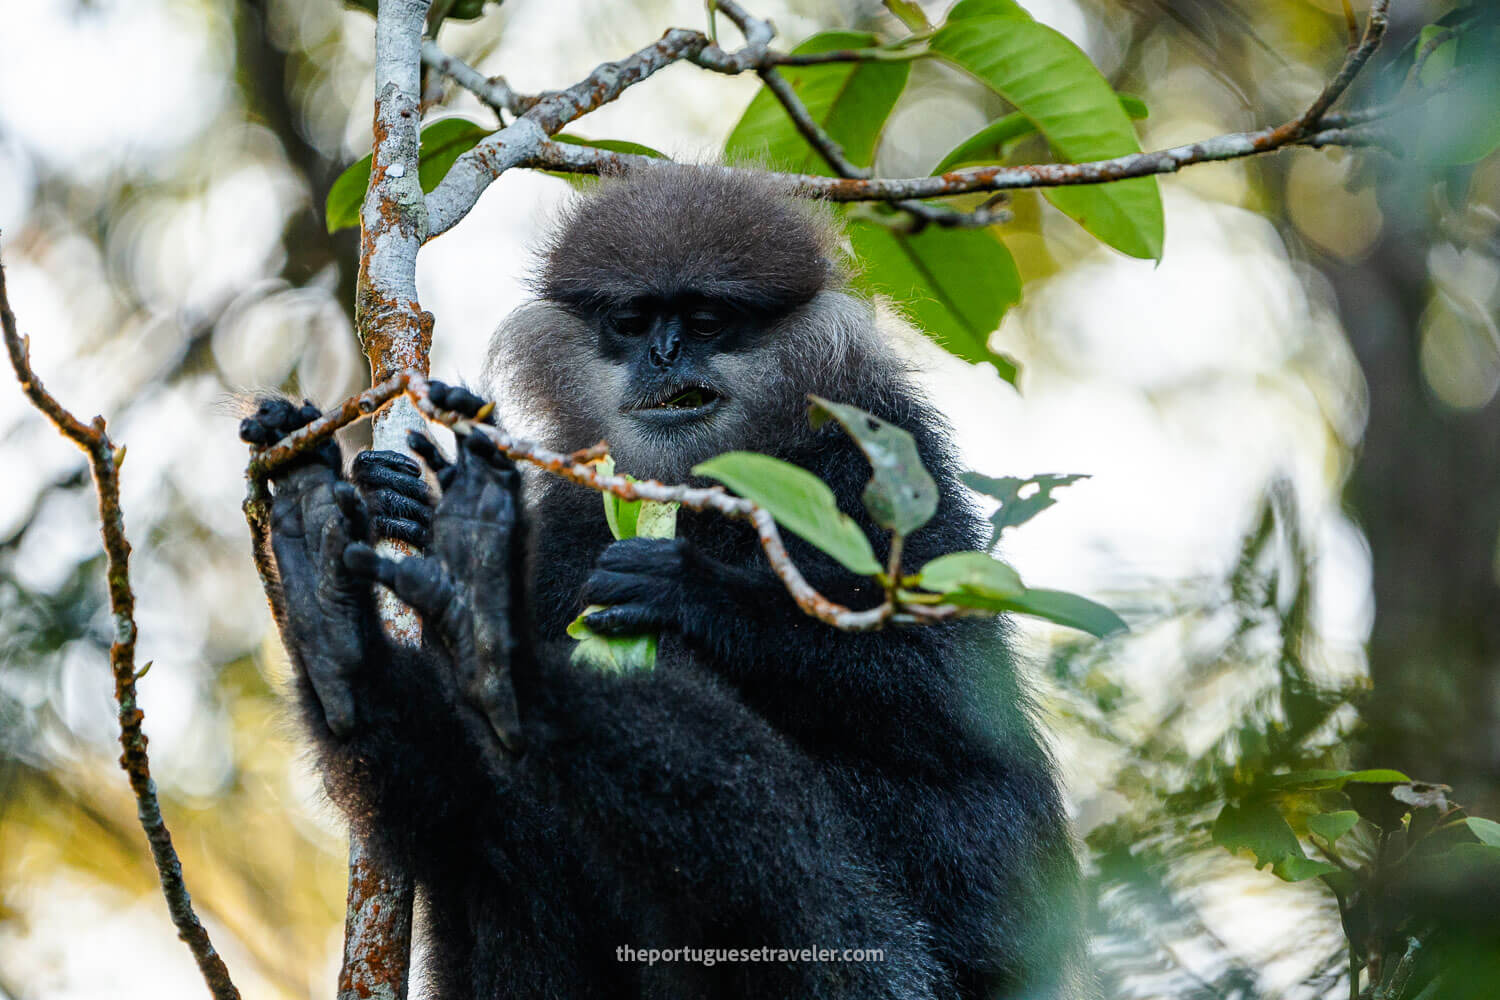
<point x="314" y="516"/>
<point x="392" y="485"/>
<point x="462" y="588"/>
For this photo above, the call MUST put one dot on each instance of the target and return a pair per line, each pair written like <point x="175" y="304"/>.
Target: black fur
<point x="774" y="782"/>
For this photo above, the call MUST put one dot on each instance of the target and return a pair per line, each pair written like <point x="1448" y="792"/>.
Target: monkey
<point x="773" y="781"/>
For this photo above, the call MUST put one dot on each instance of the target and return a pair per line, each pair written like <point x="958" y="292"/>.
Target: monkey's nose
<point x="664" y="348"/>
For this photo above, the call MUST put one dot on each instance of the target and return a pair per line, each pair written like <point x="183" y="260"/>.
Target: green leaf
<point x="1329" y="779"/>
<point x="442" y="142"/>
<point x="981" y="8"/>
<point x="1299" y="868"/>
<point x="1256" y="827"/>
<point x="1049" y="80"/>
<point x="610" y="145"/>
<point x="956" y="284"/>
<point x="1461" y="125"/>
<point x="979" y="576"/>
<point x="1071" y="610"/>
<point x="1014" y="508"/>
<point x="611" y="654"/>
<point x="1333" y="825"/>
<point x="627" y="519"/>
<point x="799" y="501"/>
<point x="1375" y="776"/>
<point x="851" y="101"/>
<point x="900" y="496"/>
<point x="988" y="145"/>
<point x="1456" y="870"/>
<point x="636" y="518"/>
<point x="1487" y="830"/>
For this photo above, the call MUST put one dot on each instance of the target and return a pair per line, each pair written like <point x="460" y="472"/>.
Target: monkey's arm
<point x="399" y="750"/>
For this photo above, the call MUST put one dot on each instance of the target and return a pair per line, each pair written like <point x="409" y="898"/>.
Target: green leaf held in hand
<point x="627" y="519"/>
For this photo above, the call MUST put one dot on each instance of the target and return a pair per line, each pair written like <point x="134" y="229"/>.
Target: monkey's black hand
<point x="652" y="584"/>
<point x="462" y="587"/>
<point x="396" y="494"/>
<point x="314" y="515"/>
<point x="392" y="484"/>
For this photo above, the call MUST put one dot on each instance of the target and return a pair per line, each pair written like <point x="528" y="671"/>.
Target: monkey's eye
<point x="704" y="322"/>
<point x="631" y="322"/>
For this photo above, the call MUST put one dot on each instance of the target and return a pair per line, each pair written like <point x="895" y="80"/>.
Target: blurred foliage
<point x="204" y="265"/>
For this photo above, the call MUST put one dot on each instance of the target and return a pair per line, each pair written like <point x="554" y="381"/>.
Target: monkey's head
<point x="683" y="312"/>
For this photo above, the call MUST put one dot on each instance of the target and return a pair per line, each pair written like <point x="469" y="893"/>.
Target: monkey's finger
<point x="496" y="698"/>
<point x="455" y="398"/>
<point x="389" y="470"/>
<point x="625" y="619"/>
<point x="352" y="506"/>
<point x="428" y="450"/>
<point x="609" y="587"/>
<point x="274" y="418"/>
<point x="482" y="448"/>
<point x="420" y="582"/>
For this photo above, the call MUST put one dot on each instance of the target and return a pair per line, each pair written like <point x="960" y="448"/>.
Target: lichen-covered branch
<point x="397" y="336"/>
<point x="104" y="463"/>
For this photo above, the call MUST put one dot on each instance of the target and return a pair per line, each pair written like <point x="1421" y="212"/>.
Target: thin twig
<point x="104" y="463"/>
<point x="588" y="160"/>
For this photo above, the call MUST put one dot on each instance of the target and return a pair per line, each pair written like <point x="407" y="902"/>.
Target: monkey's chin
<point x="665" y="444"/>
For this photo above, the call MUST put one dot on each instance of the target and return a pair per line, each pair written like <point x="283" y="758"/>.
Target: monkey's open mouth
<point x="691" y="400"/>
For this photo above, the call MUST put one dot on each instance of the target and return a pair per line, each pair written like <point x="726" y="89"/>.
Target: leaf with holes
<point x="955" y="284"/>
<point x="900" y="496"/>
<point x="798" y="500"/>
<point x="851" y="101"/>
<point x="1014" y="508"/>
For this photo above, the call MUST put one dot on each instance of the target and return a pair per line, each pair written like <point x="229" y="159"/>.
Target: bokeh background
<point x="1290" y="424"/>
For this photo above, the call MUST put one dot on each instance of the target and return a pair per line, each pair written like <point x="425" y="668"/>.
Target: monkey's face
<point x="679" y="376"/>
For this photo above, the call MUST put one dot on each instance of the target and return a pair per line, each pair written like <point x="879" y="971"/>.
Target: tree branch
<point x="104" y="463"/>
<point x="521" y="146"/>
